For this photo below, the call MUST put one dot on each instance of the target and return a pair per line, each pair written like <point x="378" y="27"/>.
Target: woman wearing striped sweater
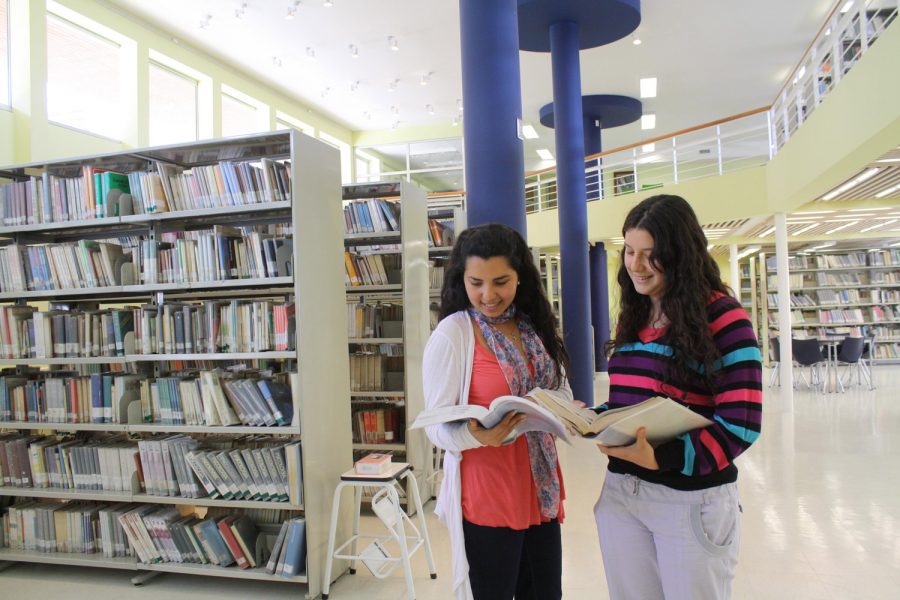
<point x="668" y="517"/>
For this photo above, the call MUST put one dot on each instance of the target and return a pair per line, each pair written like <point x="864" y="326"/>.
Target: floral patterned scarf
<point x="541" y="445"/>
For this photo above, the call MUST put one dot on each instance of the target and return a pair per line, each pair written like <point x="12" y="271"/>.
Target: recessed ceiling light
<point x="844" y="226"/>
<point x="636" y="41"/>
<point x="204" y="22"/>
<point x="529" y="132"/>
<point x="429" y="109"/>
<point x="354" y="86"/>
<point x="648" y="121"/>
<point x="310" y="53"/>
<point x="888" y="192"/>
<point x="459" y="104"/>
<point x="393" y="44"/>
<point x="276" y="61"/>
<point x="455" y="121"/>
<point x="648" y="87"/>
<point x="805" y="229"/>
<point x="879" y="225"/>
<point x="392" y="86"/>
<point x="354" y="51"/>
<point x="395" y="110"/>
<point x="544" y="154"/>
<point x="240" y="10"/>
<point x="292" y="10"/>
<point x="328" y="3"/>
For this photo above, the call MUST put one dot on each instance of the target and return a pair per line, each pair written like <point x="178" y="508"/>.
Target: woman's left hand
<point x="640" y="452"/>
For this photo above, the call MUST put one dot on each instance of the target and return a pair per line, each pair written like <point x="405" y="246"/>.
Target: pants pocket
<point x="715" y="525"/>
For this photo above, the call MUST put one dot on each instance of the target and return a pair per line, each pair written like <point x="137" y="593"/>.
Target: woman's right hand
<point x="500" y="433"/>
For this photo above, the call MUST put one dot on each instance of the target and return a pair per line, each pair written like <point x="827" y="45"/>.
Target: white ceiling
<point x="713" y="58"/>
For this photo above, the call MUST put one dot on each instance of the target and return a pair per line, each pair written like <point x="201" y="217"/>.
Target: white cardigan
<point x="447" y="373"/>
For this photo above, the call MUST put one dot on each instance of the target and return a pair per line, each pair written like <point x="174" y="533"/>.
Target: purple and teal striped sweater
<point x="702" y="458"/>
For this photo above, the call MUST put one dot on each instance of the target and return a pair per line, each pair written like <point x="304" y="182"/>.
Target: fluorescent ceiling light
<point x="648" y="148"/>
<point x="648" y="87"/>
<point x="529" y="132"/>
<point x="748" y="251"/>
<point x="710" y="246"/>
<point x="877" y="226"/>
<point x="813" y="212"/>
<point x="853" y="182"/>
<point x="888" y="160"/>
<point x="894" y="245"/>
<point x="767" y="232"/>
<point x="844" y="226"/>
<point x="648" y="159"/>
<point x="805" y="229"/>
<point x="544" y="154"/>
<point x="846" y="6"/>
<point x="648" y="121"/>
<point x="802" y="72"/>
<point x="822" y="246"/>
<point x="870" y="209"/>
<point x="888" y="191"/>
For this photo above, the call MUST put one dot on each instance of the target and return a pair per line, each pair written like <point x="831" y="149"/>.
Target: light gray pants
<point x="664" y="544"/>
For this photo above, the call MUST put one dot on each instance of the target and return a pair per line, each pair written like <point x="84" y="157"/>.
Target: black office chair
<point x="807" y="353"/>
<point x="775" y="361"/>
<point x="850" y="353"/>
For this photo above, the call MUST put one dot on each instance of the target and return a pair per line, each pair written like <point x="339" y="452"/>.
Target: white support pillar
<point x="784" y="304"/>
<point x="735" y="275"/>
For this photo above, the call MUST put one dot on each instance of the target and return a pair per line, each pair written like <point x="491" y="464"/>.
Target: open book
<point x="537" y="418"/>
<point x="664" y="419"/>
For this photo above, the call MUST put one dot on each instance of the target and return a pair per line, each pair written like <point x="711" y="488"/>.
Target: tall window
<point x="83" y="80"/>
<point x="4" y="53"/>
<point x="241" y="115"/>
<point x="173" y="106"/>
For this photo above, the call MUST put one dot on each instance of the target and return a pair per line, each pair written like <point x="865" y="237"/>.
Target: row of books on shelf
<point x="824" y="279"/>
<point x="155" y="534"/>
<point x="172" y="327"/>
<point x="371" y="215"/>
<point x="441" y="233"/>
<point x="378" y="423"/>
<point x="205" y="398"/>
<point x="870" y="258"/>
<point x="372" y="372"/>
<point x="246" y="468"/>
<point x="98" y="193"/>
<point x="376" y="320"/>
<point x="220" y="254"/>
<point x="371" y="269"/>
<point x="435" y="275"/>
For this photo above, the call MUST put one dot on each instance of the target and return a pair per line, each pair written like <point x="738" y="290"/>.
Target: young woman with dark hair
<point x="501" y="498"/>
<point x="668" y="517"/>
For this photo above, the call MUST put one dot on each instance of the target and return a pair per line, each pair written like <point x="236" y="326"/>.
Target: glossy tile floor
<point x="821" y="498"/>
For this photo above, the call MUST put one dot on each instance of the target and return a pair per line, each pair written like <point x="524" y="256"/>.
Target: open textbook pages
<point x="664" y="419"/>
<point x="537" y="417"/>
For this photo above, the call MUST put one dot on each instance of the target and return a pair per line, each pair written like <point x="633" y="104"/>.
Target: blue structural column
<point x="599" y="304"/>
<point x="492" y="97"/>
<point x="597" y="257"/>
<point x="569" y="135"/>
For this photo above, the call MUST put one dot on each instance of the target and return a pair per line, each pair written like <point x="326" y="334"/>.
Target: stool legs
<point x="400" y="532"/>
<point x="332" y="532"/>
<point x="411" y="479"/>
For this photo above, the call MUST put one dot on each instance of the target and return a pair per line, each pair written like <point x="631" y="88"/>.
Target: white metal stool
<point x="386" y="503"/>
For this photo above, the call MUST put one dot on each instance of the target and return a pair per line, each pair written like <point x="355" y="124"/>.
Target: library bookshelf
<point x="242" y="238"/>
<point x="387" y="297"/>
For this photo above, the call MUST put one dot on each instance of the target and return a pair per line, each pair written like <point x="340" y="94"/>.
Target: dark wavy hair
<point x="691" y="278"/>
<point x="490" y="240"/>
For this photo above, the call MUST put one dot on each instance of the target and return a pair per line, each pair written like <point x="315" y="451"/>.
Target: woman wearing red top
<point x="502" y="494"/>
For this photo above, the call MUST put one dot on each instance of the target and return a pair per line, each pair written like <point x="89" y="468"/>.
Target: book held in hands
<point x="537" y="417"/>
<point x="664" y="419"/>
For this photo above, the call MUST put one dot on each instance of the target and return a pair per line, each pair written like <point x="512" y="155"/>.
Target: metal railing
<point x="739" y="142"/>
<point x="850" y="30"/>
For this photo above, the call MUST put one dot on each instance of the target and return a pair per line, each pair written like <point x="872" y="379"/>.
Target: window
<point x="283" y="121"/>
<point x="345" y="154"/>
<point x="173" y="106"/>
<point x="242" y="114"/>
<point x="83" y="79"/>
<point x="4" y="53"/>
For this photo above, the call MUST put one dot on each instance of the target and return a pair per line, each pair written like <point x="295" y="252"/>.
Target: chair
<point x="808" y="353"/>
<point x="775" y="361"/>
<point x="850" y="353"/>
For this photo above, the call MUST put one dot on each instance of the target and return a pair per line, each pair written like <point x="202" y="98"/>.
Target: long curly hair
<point x="490" y="240"/>
<point x="691" y="279"/>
